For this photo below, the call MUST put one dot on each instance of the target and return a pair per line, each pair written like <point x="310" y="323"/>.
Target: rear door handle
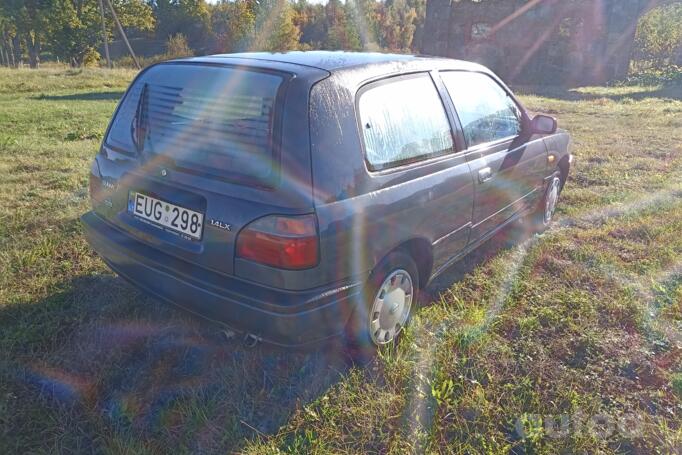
<point x="485" y="174"/>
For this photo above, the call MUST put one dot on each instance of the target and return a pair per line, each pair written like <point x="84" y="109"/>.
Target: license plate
<point x="166" y="215"/>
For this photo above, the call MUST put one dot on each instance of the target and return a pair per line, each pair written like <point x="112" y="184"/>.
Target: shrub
<point x="645" y="74"/>
<point x="91" y="57"/>
<point x="177" y="47"/>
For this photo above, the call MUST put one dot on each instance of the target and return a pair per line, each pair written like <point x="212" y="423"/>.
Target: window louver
<point x="196" y="130"/>
<point x="208" y="120"/>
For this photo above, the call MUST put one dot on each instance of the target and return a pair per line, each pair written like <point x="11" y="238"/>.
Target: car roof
<point x="333" y="61"/>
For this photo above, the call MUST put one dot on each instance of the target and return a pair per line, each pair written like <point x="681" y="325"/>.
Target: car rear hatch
<point x="198" y="149"/>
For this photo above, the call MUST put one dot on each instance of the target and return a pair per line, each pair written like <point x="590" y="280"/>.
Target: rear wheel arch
<point x="421" y="252"/>
<point x="367" y="321"/>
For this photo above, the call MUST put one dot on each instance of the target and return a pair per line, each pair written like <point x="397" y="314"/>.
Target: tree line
<point x="72" y="31"/>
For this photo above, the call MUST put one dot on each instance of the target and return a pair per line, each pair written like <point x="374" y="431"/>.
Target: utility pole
<point x="123" y="34"/>
<point x="104" y="35"/>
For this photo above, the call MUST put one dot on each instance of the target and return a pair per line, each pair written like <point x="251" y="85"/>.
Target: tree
<point x="29" y="19"/>
<point x="192" y="18"/>
<point x="311" y="21"/>
<point x="6" y="30"/>
<point x="331" y="26"/>
<point x="276" y="30"/>
<point x="419" y="7"/>
<point x="397" y="25"/>
<point x="367" y="13"/>
<point x="75" y="31"/>
<point x="233" y="24"/>
<point x="342" y="32"/>
<point x="659" y="35"/>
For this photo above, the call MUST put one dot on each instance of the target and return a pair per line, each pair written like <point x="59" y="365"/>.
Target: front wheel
<point x="388" y="299"/>
<point x="544" y="213"/>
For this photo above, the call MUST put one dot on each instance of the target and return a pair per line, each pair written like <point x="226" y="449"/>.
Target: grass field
<point x="569" y="342"/>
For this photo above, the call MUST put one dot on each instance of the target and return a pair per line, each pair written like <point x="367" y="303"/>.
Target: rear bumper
<point x="289" y="318"/>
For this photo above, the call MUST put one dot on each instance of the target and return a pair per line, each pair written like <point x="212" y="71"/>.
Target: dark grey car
<point x="304" y="195"/>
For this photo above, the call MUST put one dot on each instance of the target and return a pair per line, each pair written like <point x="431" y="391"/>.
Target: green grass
<point x="583" y="323"/>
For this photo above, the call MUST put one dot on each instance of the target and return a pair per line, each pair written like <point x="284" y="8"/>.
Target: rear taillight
<point x="287" y="242"/>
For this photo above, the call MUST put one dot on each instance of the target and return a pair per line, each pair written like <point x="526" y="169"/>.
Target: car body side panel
<point x="363" y="215"/>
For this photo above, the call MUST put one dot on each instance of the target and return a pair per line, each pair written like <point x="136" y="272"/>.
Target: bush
<point x="642" y="73"/>
<point x="658" y="48"/>
<point x="177" y="47"/>
<point x="91" y="57"/>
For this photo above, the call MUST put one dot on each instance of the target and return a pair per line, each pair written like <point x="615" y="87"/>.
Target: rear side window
<point x="486" y="111"/>
<point x="403" y="120"/>
<point x="210" y="120"/>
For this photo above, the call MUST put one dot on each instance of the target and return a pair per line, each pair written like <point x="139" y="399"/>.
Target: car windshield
<point x="213" y="120"/>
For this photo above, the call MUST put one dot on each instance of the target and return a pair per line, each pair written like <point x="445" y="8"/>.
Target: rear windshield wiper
<point x="141" y="121"/>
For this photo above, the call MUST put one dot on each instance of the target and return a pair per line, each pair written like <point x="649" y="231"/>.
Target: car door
<point x="410" y="145"/>
<point x="507" y="169"/>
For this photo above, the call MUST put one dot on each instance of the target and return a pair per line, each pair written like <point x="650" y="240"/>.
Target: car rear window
<point x="208" y="119"/>
<point x="403" y="120"/>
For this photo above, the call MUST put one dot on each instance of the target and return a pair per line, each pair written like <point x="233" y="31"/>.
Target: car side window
<point x="487" y="113"/>
<point x="403" y="120"/>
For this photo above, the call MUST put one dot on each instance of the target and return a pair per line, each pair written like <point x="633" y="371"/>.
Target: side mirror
<point x="543" y="124"/>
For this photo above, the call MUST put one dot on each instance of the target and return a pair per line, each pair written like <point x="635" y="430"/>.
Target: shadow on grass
<point x="507" y="238"/>
<point x="673" y="92"/>
<point x="99" y="364"/>
<point x="89" y="96"/>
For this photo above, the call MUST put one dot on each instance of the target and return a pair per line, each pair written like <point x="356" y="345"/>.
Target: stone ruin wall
<point x="568" y="42"/>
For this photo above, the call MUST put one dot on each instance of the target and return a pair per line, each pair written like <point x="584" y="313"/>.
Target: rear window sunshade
<point x="211" y="120"/>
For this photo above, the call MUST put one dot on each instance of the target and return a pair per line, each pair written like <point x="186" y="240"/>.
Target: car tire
<point x="387" y="302"/>
<point x="544" y="212"/>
